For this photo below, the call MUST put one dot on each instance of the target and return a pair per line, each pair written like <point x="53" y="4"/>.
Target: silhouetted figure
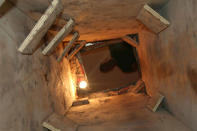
<point x="121" y="55"/>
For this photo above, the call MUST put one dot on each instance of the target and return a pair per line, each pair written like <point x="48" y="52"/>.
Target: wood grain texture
<point x="77" y="49"/>
<point x="152" y="20"/>
<point x="130" y="41"/>
<point x="31" y="43"/>
<point x="59" y="37"/>
<point x="1" y="2"/>
<point x="68" y="47"/>
<point x="59" y="123"/>
<point x="97" y="20"/>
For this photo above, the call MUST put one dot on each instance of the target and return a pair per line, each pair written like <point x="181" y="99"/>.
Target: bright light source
<point x="83" y="84"/>
<point x="89" y="44"/>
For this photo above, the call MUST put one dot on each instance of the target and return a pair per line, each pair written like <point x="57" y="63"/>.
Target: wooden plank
<point x="59" y="123"/>
<point x="138" y="87"/>
<point x="80" y="102"/>
<point x="155" y="102"/>
<point x="152" y="20"/>
<point x="130" y="41"/>
<point x="59" y="37"/>
<point x="1" y="2"/>
<point x="82" y="65"/>
<point x="60" y="20"/>
<point x="68" y="47"/>
<point x="76" y="50"/>
<point x="32" y="41"/>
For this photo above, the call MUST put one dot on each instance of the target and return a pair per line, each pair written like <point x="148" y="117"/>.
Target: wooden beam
<point x="36" y="15"/>
<point x="59" y="22"/>
<point x="130" y="41"/>
<point x="155" y="102"/>
<point x="59" y="37"/>
<point x="80" y="60"/>
<point x="59" y="123"/>
<point x="1" y="2"/>
<point x="68" y="47"/>
<point x="138" y="87"/>
<point x="81" y="102"/>
<point x="152" y="20"/>
<point x="32" y="41"/>
<point x="101" y="44"/>
<point x="76" y="50"/>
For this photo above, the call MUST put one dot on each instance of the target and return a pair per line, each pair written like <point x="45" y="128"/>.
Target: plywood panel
<point x="152" y="19"/>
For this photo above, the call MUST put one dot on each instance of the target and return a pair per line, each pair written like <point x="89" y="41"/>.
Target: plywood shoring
<point x="32" y="41"/>
<point x="59" y="37"/>
<point x="68" y="47"/>
<point x="152" y="20"/>
<point x="1" y="2"/>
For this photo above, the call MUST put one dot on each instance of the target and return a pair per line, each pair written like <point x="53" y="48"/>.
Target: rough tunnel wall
<point x="31" y="87"/>
<point x="169" y="63"/>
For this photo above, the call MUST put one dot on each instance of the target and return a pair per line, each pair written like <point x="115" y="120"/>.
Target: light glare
<point x="83" y="84"/>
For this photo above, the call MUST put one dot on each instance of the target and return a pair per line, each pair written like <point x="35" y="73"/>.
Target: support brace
<point x="76" y="50"/>
<point x="32" y="41"/>
<point x="59" y="37"/>
<point x="1" y="2"/>
<point x="152" y="20"/>
<point x="68" y="47"/>
<point x="130" y="41"/>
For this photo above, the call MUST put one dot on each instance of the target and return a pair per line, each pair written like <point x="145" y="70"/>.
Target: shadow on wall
<point x="122" y="56"/>
<point x="159" y="5"/>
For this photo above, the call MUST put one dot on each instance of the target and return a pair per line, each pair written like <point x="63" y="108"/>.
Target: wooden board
<point x="68" y="47"/>
<point x="130" y="41"/>
<point x="80" y="102"/>
<point x="1" y="2"/>
<point x="59" y="37"/>
<point x="59" y="123"/>
<point x="32" y="41"/>
<point x="76" y="50"/>
<point x="155" y="102"/>
<point x="152" y="20"/>
<point x="137" y="87"/>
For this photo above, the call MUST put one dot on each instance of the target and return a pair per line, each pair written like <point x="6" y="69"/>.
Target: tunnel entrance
<point x="109" y="65"/>
<point x="116" y="98"/>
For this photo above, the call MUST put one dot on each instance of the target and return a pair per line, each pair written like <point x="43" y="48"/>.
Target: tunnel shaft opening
<point x="51" y="78"/>
<point x="105" y="62"/>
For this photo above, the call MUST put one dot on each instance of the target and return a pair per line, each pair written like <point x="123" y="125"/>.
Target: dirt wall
<point x="31" y="87"/>
<point x="168" y="61"/>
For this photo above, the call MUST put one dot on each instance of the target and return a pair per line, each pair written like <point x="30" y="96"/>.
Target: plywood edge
<point x="155" y="102"/>
<point x="1" y="2"/>
<point x="152" y="19"/>
<point x="130" y="41"/>
<point x="57" y="122"/>
<point x="68" y="47"/>
<point x="77" y="49"/>
<point x="59" y="37"/>
<point x="32" y="41"/>
<point x="157" y="15"/>
<point x="49" y="126"/>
